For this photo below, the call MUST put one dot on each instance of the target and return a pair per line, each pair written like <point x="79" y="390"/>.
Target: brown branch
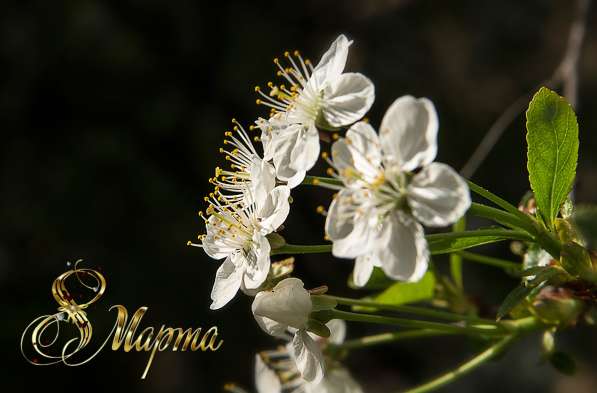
<point x="566" y="74"/>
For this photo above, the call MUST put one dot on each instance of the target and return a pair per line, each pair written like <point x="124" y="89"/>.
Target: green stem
<point x="412" y="324"/>
<point x="497" y="200"/>
<point x="421" y="311"/>
<point x="384" y="338"/>
<point x="324" y="248"/>
<point x="496" y="262"/>
<point x="316" y="180"/>
<point x="502" y="217"/>
<point x="302" y="249"/>
<point x="465" y="368"/>
<point x="456" y="259"/>
<point x="494" y="232"/>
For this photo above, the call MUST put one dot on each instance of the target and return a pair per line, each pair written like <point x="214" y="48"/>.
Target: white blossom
<point x="323" y="96"/>
<point x="237" y="232"/>
<point x="271" y="365"/>
<point x="288" y="306"/>
<point x="391" y="187"/>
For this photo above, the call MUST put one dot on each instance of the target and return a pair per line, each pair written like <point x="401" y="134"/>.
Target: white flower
<point x="288" y="305"/>
<point x="392" y="186"/>
<point x="238" y="233"/>
<point x="323" y="96"/>
<point x="250" y="178"/>
<point x="272" y="366"/>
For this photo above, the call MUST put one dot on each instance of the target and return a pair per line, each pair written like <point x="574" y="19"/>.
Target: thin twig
<point x="566" y="74"/>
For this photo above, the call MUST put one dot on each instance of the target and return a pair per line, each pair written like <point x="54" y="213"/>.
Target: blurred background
<point x="112" y="113"/>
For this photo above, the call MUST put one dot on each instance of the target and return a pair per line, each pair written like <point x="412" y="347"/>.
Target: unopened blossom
<point x="276" y="372"/>
<point x="237" y="233"/>
<point x="391" y="188"/>
<point x="288" y="306"/>
<point x="249" y="177"/>
<point x="324" y="97"/>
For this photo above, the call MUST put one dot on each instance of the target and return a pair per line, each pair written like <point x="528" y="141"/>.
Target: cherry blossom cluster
<point x="388" y="188"/>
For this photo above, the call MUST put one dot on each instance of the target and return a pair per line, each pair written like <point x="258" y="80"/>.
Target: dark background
<point x="112" y="113"/>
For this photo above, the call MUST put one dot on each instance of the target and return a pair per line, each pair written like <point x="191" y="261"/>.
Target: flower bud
<point x="557" y="306"/>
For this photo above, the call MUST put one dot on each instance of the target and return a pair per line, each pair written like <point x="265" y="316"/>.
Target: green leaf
<point x="513" y="299"/>
<point x="563" y="362"/>
<point x="377" y="281"/>
<point x="552" y="138"/>
<point x="521" y="292"/>
<point x="403" y="293"/>
<point x="443" y="245"/>
<point x="408" y="292"/>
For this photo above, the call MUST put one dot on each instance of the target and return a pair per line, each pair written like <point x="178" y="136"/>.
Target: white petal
<point x="266" y="379"/>
<point x="337" y="331"/>
<point x="403" y="250"/>
<point x="348" y="99"/>
<point x="263" y="180"/>
<point x="308" y="357"/>
<point x="281" y="147"/>
<point x="438" y="196"/>
<point x="296" y="179"/>
<point x="257" y="262"/>
<point x="408" y="133"/>
<point x="339" y="221"/>
<point x="358" y="241"/>
<point x="332" y="62"/>
<point x="275" y="209"/>
<point x="213" y="243"/>
<point x="357" y="157"/>
<point x="287" y="303"/>
<point x="363" y="267"/>
<point x="270" y="326"/>
<point x="227" y="283"/>
<point x="305" y="152"/>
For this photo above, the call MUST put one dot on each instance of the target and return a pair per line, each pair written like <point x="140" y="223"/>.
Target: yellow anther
<point x="365" y="119"/>
<point x="189" y="243"/>
<point x="315" y="182"/>
<point x="256" y="139"/>
<point x="297" y="53"/>
<point x="206" y="199"/>
<point x="335" y="136"/>
<point x="324" y="155"/>
<point x="270" y="84"/>
<point x="234" y="120"/>
<point x="222" y="149"/>
<point x="286" y="54"/>
<point x="257" y="89"/>
<point x="326" y="237"/>
<point x="251" y="127"/>
<point x="228" y="133"/>
<point x="330" y="172"/>
<point x="258" y="101"/>
<point x="307" y="61"/>
<point x="279" y="73"/>
<point x="227" y="158"/>
<point x="276" y="60"/>
<point x="320" y="209"/>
